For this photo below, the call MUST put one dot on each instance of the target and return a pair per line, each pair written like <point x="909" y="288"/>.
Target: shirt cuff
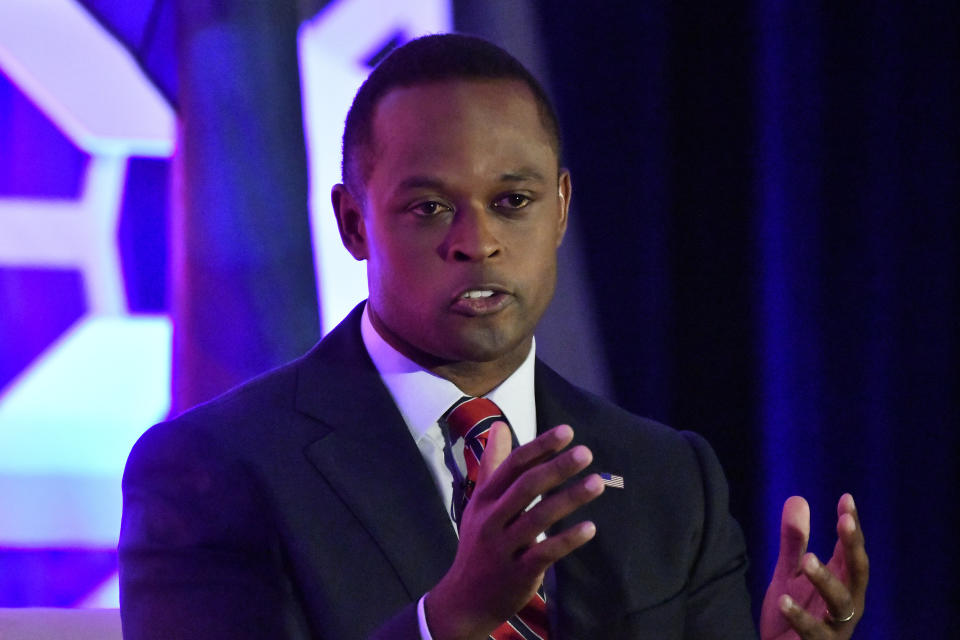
<point x="422" y="619"/>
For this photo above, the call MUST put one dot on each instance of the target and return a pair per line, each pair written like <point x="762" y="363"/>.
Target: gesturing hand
<point x="807" y="599"/>
<point x="499" y="562"/>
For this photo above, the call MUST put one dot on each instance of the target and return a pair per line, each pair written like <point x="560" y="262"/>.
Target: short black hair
<point x="433" y="58"/>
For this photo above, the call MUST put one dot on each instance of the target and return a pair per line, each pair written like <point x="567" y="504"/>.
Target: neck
<point x="473" y="378"/>
<point x="480" y="378"/>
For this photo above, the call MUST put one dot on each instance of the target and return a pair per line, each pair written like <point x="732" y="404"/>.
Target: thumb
<point x="499" y="444"/>
<point x="794" y="534"/>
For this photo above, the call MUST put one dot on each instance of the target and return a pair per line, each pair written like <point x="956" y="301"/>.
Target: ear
<point x="564" y="192"/>
<point x="353" y="230"/>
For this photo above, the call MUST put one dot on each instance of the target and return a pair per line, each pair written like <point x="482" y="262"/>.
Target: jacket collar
<point x="370" y="460"/>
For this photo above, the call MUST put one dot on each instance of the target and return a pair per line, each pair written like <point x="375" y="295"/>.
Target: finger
<point x="542" y="478"/>
<point x="499" y="443"/>
<point x="553" y="508"/>
<point x="839" y="602"/>
<point x="838" y="561"/>
<point x="850" y="540"/>
<point x="846" y="506"/>
<point x="807" y="626"/>
<point x="851" y="537"/>
<point x="538" y="557"/>
<point x="500" y="478"/>
<point x="543" y="446"/>
<point x="794" y="534"/>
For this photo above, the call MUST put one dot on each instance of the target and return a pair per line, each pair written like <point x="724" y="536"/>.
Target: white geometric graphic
<point x="67" y="425"/>
<point x="73" y="234"/>
<point x="105" y="596"/>
<point x="68" y="421"/>
<point x="83" y="79"/>
<point x="89" y="86"/>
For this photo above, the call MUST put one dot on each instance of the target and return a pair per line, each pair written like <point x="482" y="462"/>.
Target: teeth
<point x="477" y="293"/>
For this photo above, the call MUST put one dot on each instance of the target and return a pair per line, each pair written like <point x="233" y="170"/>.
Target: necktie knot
<point x="469" y="417"/>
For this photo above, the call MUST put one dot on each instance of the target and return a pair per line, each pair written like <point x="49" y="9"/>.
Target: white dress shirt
<point x="423" y="397"/>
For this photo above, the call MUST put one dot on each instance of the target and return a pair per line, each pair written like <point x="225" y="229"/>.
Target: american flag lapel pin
<point x="612" y="480"/>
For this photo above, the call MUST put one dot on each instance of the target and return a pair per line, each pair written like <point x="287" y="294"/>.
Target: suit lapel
<point x="584" y="605"/>
<point x="370" y="460"/>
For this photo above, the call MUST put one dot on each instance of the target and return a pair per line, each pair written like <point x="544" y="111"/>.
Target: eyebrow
<point x="522" y="175"/>
<point x="420" y="182"/>
<point x="428" y="182"/>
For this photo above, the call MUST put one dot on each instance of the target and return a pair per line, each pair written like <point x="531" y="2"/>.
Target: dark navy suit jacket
<point x="298" y="506"/>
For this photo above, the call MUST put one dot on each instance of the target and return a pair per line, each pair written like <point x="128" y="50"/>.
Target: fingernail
<point x="811" y="564"/>
<point x="581" y="455"/>
<point x="593" y="483"/>
<point x="786" y="604"/>
<point x="563" y="431"/>
<point x="848" y="524"/>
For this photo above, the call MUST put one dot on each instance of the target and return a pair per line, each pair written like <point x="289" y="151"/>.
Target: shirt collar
<point x="422" y="397"/>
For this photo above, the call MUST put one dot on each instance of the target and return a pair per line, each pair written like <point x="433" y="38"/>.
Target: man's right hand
<point x="499" y="563"/>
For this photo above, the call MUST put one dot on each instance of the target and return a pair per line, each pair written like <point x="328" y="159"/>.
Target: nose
<point x="472" y="236"/>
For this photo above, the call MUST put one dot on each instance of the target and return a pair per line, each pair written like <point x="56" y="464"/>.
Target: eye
<point x="429" y="208"/>
<point x="512" y="201"/>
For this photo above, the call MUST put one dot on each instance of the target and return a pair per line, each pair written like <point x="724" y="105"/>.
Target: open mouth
<point x="480" y="301"/>
<point x="476" y="293"/>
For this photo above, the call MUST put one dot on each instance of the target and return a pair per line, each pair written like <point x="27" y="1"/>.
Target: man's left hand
<point x="807" y="599"/>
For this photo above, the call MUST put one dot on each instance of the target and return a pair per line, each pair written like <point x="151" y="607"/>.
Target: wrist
<point x="448" y="619"/>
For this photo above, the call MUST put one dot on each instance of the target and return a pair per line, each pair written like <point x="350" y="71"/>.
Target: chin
<point x="487" y="347"/>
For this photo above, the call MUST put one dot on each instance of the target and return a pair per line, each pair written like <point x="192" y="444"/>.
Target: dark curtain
<point x="769" y="195"/>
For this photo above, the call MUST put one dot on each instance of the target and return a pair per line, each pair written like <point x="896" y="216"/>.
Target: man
<point x="334" y="497"/>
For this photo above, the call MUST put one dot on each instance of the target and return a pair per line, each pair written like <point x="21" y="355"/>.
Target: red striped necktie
<point x="471" y="419"/>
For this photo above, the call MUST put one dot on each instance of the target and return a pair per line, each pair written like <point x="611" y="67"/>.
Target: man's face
<point x="463" y="212"/>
